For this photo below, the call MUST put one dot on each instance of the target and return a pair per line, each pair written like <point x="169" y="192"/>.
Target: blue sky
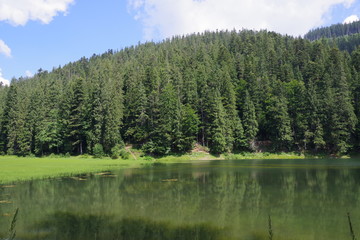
<point x="44" y="34"/>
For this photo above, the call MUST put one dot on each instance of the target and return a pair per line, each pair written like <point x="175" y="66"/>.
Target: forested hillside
<point x="345" y="36"/>
<point x="224" y="90"/>
<point x="334" y="31"/>
<point x="346" y="43"/>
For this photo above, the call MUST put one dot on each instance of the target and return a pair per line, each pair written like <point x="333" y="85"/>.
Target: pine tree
<point x="165" y="122"/>
<point x="295" y="91"/>
<point x="135" y="114"/>
<point x="342" y="119"/>
<point x="249" y="120"/>
<point x="95" y="134"/>
<point x="46" y="114"/>
<point x="355" y="59"/>
<point x="314" y="135"/>
<point x="113" y="114"/>
<point x="218" y="126"/>
<point x="189" y="128"/>
<point x="18" y="129"/>
<point x="279" y="124"/>
<point x="6" y="97"/>
<point x="234" y="130"/>
<point x="75" y="123"/>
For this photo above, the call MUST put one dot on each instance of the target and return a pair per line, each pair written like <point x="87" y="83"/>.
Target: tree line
<point x="225" y="90"/>
<point x="334" y="31"/>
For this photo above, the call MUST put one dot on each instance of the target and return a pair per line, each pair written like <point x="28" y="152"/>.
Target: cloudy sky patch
<point x="350" y="19"/>
<point x="176" y="17"/>
<point x="4" y="49"/>
<point x="19" y="12"/>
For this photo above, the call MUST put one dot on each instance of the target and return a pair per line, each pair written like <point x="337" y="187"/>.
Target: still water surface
<point x="306" y="199"/>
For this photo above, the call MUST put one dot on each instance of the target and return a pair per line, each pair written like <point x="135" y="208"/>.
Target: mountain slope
<point x="224" y="90"/>
<point x="334" y="31"/>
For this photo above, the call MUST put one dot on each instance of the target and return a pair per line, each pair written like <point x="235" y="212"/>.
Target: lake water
<point x="305" y="199"/>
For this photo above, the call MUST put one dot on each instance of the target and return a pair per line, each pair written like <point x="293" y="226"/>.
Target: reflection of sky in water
<point x="307" y="199"/>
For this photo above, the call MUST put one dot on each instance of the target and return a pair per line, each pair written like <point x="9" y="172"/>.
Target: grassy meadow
<point x="13" y="168"/>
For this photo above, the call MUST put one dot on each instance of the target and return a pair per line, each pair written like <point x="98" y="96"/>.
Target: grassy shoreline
<point x="14" y="169"/>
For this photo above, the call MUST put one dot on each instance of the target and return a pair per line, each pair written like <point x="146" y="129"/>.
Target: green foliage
<point x="219" y="132"/>
<point x="124" y="154"/>
<point x="30" y="155"/>
<point x="148" y="158"/>
<point x="333" y="31"/>
<point x="154" y="148"/>
<point x="98" y="151"/>
<point x="223" y="90"/>
<point x="115" y="151"/>
<point x="189" y="124"/>
<point x="279" y="123"/>
<point x="249" y="119"/>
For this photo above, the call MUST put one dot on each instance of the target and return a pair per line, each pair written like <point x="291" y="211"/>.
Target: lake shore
<point x="14" y="169"/>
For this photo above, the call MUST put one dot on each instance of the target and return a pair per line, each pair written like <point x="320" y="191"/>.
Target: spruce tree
<point x="189" y="128"/>
<point x="5" y="100"/>
<point x="164" y="122"/>
<point x="279" y="124"/>
<point x="341" y="115"/>
<point x="295" y="91"/>
<point x="233" y="128"/>
<point x="18" y="129"/>
<point x="113" y="115"/>
<point x="135" y="114"/>
<point x="75" y="123"/>
<point x="249" y="120"/>
<point x="314" y="135"/>
<point x="47" y="126"/>
<point x="218" y="126"/>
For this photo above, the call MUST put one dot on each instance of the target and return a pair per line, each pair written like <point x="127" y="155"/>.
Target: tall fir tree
<point x="341" y="112"/>
<point x="295" y="91"/>
<point x="75" y="123"/>
<point x="249" y="120"/>
<point x="218" y="126"/>
<point x="135" y="115"/>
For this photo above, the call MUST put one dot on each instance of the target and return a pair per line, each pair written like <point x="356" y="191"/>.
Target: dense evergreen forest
<point x="344" y="36"/>
<point x="229" y="91"/>
<point x="334" y="31"/>
<point x="346" y="43"/>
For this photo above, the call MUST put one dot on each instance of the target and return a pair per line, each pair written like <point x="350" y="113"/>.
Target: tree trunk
<point x="81" y="148"/>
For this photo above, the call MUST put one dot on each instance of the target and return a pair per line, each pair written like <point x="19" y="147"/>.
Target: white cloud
<point x="3" y="80"/>
<point x="350" y="19"/>
<point x="28" y="74"/>
<point x="165" y="18"/>
<point x="4" y="49"/>
<point x="19" y="12"/>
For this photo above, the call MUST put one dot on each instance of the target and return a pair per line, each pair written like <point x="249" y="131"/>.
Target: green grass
<point x="244" y="155"/>
<point x="266" y="155"/>
<point x="189" y="157"/>
<point x="14" y="168"/>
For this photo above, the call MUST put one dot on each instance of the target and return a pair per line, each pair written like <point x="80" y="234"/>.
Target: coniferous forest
<point x="225" y="90"/>
<point x="334" y="31"/>
<point x="344" y="36"/>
